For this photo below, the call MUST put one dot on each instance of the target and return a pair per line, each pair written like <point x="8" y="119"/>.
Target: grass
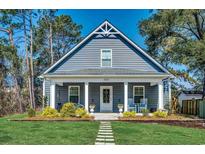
<point x="156" y="134"/>
<point x="38" y="133"/>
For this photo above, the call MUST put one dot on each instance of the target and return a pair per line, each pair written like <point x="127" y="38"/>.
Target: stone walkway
<point x="106" y="116"/>
<point x="105" y="135"/>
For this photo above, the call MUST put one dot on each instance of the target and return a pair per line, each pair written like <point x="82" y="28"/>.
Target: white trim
<point x="78" y="92"/>
<point x="133" y="90"/>
<point x="52" y="95"/>
<point x="101" y="57"/>
<point x="67" y="54"/>
<point x="105" y="80"/>
<point x="160" y="96"/>
<point x="44" y="90"/>
<point x="93" y="32"/>
<point x="111" y="99"/>
<point x="86" y="96"/>
<point x="145" y="75"/>
<point x="170" y="92"/>
<point x="125" y="96"/>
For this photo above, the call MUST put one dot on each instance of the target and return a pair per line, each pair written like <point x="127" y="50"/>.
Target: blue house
<point x="106" y="69"/>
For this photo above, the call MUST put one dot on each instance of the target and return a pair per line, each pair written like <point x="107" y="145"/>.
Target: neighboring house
<point x="107" y="69"/>
<point x="189" y="95"/>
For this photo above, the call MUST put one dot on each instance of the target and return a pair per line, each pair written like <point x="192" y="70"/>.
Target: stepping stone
<point x="109" y="139"/>
<point x="99" y="143"/>
<point x="105" y="130"/>
<point x="103" y="133"/>
<point x="104" y="136"/>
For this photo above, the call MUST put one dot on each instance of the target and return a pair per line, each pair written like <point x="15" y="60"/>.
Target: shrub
<point x="80" y="112"/>
<point x="131" y="114"/>
<point x="50" y="112"/>
<point x="31" y="112"/>
<point x="68" y="110"/>
<point x="161" y="114"/>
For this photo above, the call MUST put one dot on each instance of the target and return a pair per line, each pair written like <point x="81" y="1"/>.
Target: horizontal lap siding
<point x="62" y="93"/>
<point x="47" y="91"/>
<point x="94" y="94"/>
<point x="151" y="93"/>
<point x="89" y="57"/>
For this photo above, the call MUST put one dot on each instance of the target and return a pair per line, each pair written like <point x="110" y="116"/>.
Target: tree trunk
<point x="28" y="68"/>
<point x="15" y="72"/>
<point x="51" y="43"/>
<point x="31" y="60"/>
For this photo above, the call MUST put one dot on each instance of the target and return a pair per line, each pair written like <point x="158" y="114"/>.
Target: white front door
<point x="106" y="98"/>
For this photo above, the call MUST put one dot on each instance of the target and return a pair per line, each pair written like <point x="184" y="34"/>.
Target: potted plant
<point x="120" y="107"/>
<point x="145" y="112"/>
<point x="92" y="107"/>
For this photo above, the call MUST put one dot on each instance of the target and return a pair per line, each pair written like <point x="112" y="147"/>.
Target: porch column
<point x="160" y="95"/>
<point x="86" y="96"/>
<point x="125" y="96"/>
<point x="52" y="94"/>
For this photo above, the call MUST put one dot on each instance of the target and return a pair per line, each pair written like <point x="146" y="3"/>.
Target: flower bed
<point x="40" y="118"/>
<point x="147" y="118"/>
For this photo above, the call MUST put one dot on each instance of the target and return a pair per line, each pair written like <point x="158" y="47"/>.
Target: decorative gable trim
<point x="107" y="29"/>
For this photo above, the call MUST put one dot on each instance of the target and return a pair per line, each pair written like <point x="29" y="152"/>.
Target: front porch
<point x="107" y="94"/>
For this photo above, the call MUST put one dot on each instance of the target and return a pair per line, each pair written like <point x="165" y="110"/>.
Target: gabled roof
<point x="106" y="29"/>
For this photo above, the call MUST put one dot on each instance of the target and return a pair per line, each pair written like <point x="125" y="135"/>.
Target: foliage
<point x="80" y="112"/>
<point x="86" y="116"/>
<point x="145" y="111"/>
<point x="31" y="112"/>
<point x="68" y="110"/>
<point x="160" y="114"/>
<point x="92" y="106"/>
<point x="19" y="82"/>
<point x="177" y="37"/>
<point x="120" y="106"/>
<point x="50" y="112"/>
<point x="128" y="114"/>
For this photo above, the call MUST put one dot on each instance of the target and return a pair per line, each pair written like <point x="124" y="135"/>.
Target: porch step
<point x="105" y="135"/>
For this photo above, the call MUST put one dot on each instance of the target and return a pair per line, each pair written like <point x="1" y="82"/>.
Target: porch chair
<point x="131" y="105"/>
<point x="143" y="104"/>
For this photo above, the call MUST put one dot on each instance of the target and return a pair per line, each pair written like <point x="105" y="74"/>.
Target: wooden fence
<point x="190" y="107"/>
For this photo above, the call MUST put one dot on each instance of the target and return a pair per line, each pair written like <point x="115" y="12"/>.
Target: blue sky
<point x="125" y="20"/>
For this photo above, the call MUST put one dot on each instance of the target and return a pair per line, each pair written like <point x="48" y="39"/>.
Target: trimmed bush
<point x="68" y="110"/>
<point x="160" y="114"/>
<point x="50" y="112"/>
<point x="80" y="112"/>
<point x="131" y="114"/>
<point x="31" y="112"/>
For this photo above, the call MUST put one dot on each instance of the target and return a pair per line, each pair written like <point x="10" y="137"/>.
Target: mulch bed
<point x="193" y="123"/>
<point x="73" y="119"/>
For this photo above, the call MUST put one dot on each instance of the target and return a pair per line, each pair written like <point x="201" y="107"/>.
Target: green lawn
<point x="47" y="132"/>
<point x="152" y="134"/>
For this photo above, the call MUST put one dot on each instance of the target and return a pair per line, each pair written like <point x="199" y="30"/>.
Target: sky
<point x="125" y="20"/>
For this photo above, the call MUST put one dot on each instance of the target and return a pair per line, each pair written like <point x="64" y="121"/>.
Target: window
<point x="106" y="57"/>
<point x="74" y="94"/>
<point x="138" y="93"/>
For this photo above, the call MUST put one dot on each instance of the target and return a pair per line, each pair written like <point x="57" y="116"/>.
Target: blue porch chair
<point x="131" y="105"/>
